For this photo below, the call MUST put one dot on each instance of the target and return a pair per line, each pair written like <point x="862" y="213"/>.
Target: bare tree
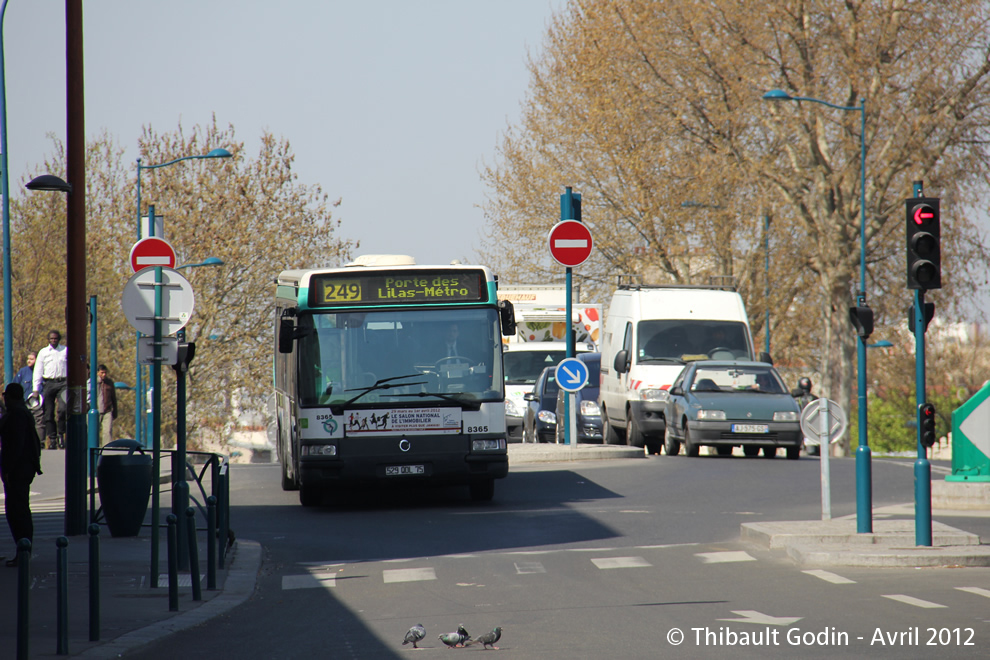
<point x="644" y="107"/>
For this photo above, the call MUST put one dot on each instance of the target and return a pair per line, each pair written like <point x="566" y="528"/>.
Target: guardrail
<point x="209" y="472"/>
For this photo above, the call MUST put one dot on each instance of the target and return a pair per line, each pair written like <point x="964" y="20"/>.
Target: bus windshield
<point x="400" y="357"/>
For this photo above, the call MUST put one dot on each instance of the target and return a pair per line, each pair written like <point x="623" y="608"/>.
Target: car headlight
<point x="711" y="415"/>
<point x="785" y="416"/>
<point x="512" y="408"/>
<point x="653" y="394"/>
<point x="492" y="444"/>
<point x="319" y="450"/>
<point x="546" y="417"/>
<point x="590" y="409"/>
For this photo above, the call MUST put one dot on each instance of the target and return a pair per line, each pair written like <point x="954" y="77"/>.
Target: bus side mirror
<point x="507" y="317"/>
<point x="621" y="362"/>
<point x="286" y="335"/>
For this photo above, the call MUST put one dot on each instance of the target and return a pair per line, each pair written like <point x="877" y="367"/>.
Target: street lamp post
<point x="139" y="432"/>
<point x="8" y="324"/>
<point x="864" y="477"/>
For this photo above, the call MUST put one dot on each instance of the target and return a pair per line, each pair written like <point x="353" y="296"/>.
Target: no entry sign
<point x="570" y="243"/>
<point x="152" y="251"/>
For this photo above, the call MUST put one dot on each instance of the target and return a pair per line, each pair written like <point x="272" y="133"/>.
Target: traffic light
<point x="862" y="320"/>
<point x="929" y="315"/>
<point x="924" y="254"/>
<point x="926" y="411"/>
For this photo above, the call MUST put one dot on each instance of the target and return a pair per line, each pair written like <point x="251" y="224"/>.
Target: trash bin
<point x="124" y="484"/>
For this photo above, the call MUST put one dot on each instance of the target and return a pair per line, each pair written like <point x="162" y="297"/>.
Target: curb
<point x="239" y="584"/>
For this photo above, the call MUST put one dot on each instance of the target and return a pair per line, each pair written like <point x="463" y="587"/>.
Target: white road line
<point x="620" y="562"/>
<point x="311" y="581"/>
<point x="409" y="575"/>
<point x="976" y="590"/>
<point x="724" y="557"/>
<point x="911" y="600"/>
<point x="830" y="577"/>
<point x="529" y="567"/>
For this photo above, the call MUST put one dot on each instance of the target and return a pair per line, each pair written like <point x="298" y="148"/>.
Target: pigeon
<point x="415" y="634"/>
<point x="488" y="639"/>
<point x="455" y="639"/>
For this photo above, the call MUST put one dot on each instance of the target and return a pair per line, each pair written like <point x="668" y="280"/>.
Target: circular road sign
<point x="152" y="251"/>
<point x="138" y="301"/>
<point x="572" y="374"/>
<point x="811" y="421"/>
<point x="570" y="243"/>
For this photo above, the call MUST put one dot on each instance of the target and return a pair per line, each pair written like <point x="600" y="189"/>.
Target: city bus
<point x="369" y="389"/>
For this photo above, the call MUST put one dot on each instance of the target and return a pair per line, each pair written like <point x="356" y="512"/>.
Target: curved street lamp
<point x="861" y="315"/>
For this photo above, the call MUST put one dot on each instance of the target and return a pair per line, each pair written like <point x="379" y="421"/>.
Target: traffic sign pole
<point x="826" y="448"/>
<point x="570" y="245"/>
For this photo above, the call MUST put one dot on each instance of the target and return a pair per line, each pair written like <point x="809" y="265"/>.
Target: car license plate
<point x="750" y="428"/>
<point x="397" y="470"/>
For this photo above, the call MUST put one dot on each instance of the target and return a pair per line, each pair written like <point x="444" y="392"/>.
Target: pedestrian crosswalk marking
<point x="976" y="590"/>
<point x="830" y="577"/>
<point x="183" y="580"/>
<point x="620" y="562"/>
<point x="911" y="600"/>
<point x="309" y="581"/>
<point x="724" y="557"/>
<point x="408" y="575"/>
<point x="529" y="567"/>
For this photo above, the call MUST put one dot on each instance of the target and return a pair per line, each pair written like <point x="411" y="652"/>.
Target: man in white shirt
<point x="50" y="372"/>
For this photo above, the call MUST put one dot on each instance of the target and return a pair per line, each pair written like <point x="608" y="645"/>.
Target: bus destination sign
<point x="398" y="287"/>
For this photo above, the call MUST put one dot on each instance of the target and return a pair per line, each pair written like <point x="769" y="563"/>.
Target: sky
<point x="393" y="106"/>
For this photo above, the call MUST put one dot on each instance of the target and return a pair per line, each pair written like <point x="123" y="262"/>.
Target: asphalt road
<point x="628" y="559"/>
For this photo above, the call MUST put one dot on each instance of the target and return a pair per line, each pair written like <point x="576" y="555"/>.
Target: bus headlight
<point x="319" y="450"/>
<point x="491" y="444"/>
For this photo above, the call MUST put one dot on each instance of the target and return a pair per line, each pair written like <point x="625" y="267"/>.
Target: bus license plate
<point x="750" y="428"/>
<point x="397" y="470"/>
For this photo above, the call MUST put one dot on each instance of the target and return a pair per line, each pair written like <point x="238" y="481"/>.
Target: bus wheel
<point x="482" y="490"/>
<point x="309" y="495"/>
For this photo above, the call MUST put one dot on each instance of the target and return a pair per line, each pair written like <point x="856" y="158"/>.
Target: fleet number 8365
<point x="476" y="429"/>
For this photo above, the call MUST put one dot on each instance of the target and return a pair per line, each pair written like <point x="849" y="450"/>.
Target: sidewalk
<point x="131" y="613"/>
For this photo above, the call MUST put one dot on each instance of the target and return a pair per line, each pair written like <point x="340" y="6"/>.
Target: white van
<point x="522" y="364"/>
<point x="651" y="332"/>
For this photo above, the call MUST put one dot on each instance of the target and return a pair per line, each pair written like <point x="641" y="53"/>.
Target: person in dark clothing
<point x="20" y="461"/>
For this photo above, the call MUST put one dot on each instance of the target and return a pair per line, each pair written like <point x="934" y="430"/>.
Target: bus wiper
<point x="381" y="384"/>
<point x="475" y="405"/>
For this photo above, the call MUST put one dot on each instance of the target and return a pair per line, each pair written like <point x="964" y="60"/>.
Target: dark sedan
<point x="539" y="419"/>
<point x="589" y="415"/>
<point x="732" y="404"/>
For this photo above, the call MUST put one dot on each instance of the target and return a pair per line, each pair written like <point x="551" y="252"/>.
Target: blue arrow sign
<point x="572" y="374"/>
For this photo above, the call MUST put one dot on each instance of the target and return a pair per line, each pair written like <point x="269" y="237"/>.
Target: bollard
<point x="23" y="598"/>
<point x="62" y="595"/>
<point x="197" y="593"/>
<point x="173" y="566"/>
<point x="223" y="510"/>
<point x="94" y="583"/>
<point x="211" y="543"/>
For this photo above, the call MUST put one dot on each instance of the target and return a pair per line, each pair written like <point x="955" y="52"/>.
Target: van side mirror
<point x="621" y="362"/>
<point x="676" y="391"/>
<point x="765" y="357"/>
<point x="507" y="318"/>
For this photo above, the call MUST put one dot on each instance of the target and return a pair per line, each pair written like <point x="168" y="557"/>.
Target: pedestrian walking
<point x="25" y="378"/>
<point x="50" y="373"/>
<point x="20" y="461"/>
<point x="106" y="404"/>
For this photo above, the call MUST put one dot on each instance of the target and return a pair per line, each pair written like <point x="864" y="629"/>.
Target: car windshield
<point x="763" y="380"/>
<point x="524" y="367"/>
<point x="400" y="357"/>
<point x="659" y="341"/>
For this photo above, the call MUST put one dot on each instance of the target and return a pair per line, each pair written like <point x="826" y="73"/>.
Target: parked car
<point x="731" y="404"/>
<point x="539" y="419"/>
<point x="589" y="415"/>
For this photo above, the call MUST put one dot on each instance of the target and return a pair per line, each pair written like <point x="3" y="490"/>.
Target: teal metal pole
<point x="94" y="414"/>
<point x="8" y="322"/>
<point x="156" y="406"/>
<point x="567" y="213"/>
<point x="922" y="467"/>
<point x="766" y="234"/>
<point x="864" y="469"/>
<point x="138" y="376"/>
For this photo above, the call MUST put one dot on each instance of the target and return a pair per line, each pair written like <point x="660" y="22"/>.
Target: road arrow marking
<point x="760" y="619"/>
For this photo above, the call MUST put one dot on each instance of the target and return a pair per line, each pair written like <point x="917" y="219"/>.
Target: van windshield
<point x="524" y="367"/>
<point x="678" y="339"/>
